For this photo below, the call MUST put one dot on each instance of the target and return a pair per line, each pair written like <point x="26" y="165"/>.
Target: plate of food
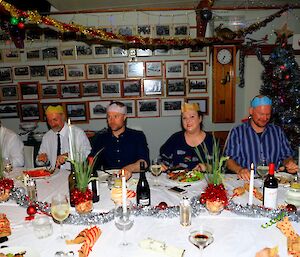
<point x="284" y="179"/>
<point x="185" y="175"/>
<point x="40" y="172"/>
<point x="19" y="252"/>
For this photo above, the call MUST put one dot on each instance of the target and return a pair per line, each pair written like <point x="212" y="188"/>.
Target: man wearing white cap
<point x="257" y="139"/>
<point x="55" y="144"/>
<point x="123" y="148"/>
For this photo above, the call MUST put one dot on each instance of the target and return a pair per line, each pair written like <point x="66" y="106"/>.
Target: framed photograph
<point x="174" y="69"/>
<point x="153" y="69"/>
<point x="11" y="55"/>
<point x="50" y="34"/>
<point x="9" y="92"/>
<point x="29" y="111"/>
<point x="198" y="52"/>
<point x="110" y="88"/>
<point x="49" y="90"/>
<point x="5" y="74"/>
<point x="196" y="68"/>
<point x="33" y="54"/>
<point x="183" y="51"/>
<point x="131" y="88"/>
<point x="135" y="69"/>
<point x="148" y="108"/>
<point x="101" y="51"/>
<point x="131" y="107"/>
<point x="144" y="30"/>
<point x="29" y="90"/>
<point x="21" y="72"/>
<point x="108" y="29"/>
<point x="77" y="111"/>
<point x="75" y="71"/>
<point x="84" y="51"/>
<point x="198" y="85"/>
<point x="162" y="30"/>
<point x="202" y="101"/>
<point x="38" y="72"/>
<point x="175" y="87"/>
<point x="161" y="52"/>
<point x="97" y="109"/>
<point x="118" y="52"/>
<point x="125" y="30"/>
<point x="181" y="30"/>
<point x="171" y="106"/>
<point x="55" y="72"/>
<point x="70" y="90"/>
<point x="115" y="70"/>
<point x="34" y="34"/>
<point x="95" y="71"/>
<point x="50" y="53"/>
<point x="68" y="52"/>
<point x="44" y="106"/>
<point x="143" y="52"/>
<point x="9" y="110"/>
<point x="90" y="88"/>
<point x="153" y="87"/>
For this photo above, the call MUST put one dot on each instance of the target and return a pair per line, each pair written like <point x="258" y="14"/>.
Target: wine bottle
<point x="270" y="189"/>
<point x="72" y="183"/>
<point x="143" y="189"/>
<point x="94" y="186"/>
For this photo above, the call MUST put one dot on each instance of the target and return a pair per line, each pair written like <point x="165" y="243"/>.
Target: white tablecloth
<point x="233" y="235"/>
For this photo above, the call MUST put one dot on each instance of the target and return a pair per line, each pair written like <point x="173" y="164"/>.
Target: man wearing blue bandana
<point x="258" y="139"/>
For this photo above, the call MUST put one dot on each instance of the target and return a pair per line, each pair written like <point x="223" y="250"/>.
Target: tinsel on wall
<point x="281" y="82"/>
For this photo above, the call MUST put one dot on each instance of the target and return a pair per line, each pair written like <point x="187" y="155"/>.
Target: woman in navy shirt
<point x="179" y="149"/>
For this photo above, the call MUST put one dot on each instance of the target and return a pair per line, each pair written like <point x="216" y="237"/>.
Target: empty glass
<point x="201" y="236"/>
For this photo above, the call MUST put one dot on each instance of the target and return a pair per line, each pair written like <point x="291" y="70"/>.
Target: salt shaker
<point x="185" y="212"/>
<point x="31" y="189"/>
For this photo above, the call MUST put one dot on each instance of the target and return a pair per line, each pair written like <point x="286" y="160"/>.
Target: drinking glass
<point x="123" y="219"/>
<point x="7" y="165"/>
<point x="60" y="210"/>
<point x="262" y="169"/>
<point x="156" y="170"/>
<point x="201" y="236"/>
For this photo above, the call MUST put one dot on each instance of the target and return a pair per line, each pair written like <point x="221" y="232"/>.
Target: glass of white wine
<point x="7" y="165"/>
<point x="156" y="170"/>
<point x="60" y="210"/>
<point x="262" y="169"/>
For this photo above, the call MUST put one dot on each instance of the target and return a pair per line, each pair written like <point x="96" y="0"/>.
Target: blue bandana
<point x="261" y="101"/>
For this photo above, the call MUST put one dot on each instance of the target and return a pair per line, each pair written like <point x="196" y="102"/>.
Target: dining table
<point x="234" y="234"/>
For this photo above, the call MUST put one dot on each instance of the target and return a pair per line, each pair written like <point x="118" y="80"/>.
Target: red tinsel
<point x="78" y="197"/>
<point x="6" y="183"/>
<point x="214" y="193"/>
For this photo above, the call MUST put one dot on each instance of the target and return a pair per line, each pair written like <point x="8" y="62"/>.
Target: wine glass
<point x="7" y="165"/>
<point x="156" y="170"/>
<point x="60" y="210"/>
<point x="123" y="219"/>
<point x="201" y="236"/>
<point x="262" y="169"/>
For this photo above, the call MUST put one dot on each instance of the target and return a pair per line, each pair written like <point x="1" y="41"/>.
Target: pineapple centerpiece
<point x="215" y="194"/>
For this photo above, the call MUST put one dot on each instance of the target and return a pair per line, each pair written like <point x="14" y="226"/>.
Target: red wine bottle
<point x="72" y="183"/>
<point x="143" y="189"/>
<point x="270" y="189"/>
<point x="94" y="186"/>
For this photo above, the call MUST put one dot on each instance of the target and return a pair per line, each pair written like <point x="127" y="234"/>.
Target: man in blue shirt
<point x="123" y="148"/>
<point x="258" y="139"/>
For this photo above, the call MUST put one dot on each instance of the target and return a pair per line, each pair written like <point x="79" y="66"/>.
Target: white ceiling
<point x="114" y="5"/>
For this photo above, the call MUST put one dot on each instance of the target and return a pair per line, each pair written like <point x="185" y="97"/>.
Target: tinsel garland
<point x="93" y="218"/>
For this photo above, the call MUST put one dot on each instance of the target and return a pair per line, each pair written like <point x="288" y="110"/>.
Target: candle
<point x="298" y="159"/>
<point x="251" y="186"/>
<point x="70" y="140"/>
<point x="124" y="193"/>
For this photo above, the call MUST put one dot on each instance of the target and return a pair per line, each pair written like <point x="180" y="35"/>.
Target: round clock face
<point x="224" y="56"/>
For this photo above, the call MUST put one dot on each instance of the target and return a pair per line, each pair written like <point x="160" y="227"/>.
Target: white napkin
<point x="161" y="247"/>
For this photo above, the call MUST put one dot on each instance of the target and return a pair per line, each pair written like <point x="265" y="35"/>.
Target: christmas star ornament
<point x="284" y="31"/>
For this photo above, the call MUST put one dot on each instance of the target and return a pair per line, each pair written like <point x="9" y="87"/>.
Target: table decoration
<point x="5" y="187"/>
<point x="215" y="194"/>
<point x="5" y="229"/>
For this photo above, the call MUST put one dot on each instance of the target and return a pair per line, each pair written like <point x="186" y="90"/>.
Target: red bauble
<point x="21" y="25"/>
<point x="162" y="205"/>
<point x="202" y="200"/>
<point x="291" y="208"/>
<point x="31" y="210"/>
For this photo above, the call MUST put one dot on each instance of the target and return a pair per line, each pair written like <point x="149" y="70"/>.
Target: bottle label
<point x="145" y="202"/>
<point x="270" y="197"/>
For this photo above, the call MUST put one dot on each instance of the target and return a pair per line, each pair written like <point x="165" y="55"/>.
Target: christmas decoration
<point x="281" y="82"/>
<point x="31" y="210"/>
<point x="5" y="186"/>
<point x="275" y="220"/>
<point x="291" y="208"/>
<point x="162" y="205"/>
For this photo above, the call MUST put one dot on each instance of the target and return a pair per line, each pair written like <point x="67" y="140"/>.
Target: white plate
<point x="41" y="168"/>
<point x="29" y="251"/>
<point x="284" y="179"/>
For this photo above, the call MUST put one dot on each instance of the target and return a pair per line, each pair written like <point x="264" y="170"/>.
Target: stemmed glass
<point x="201" y="236"/>
<point x="7" y="165"/>
<point x="262" y="169"/>
<point x="60" y="210"/>
<point x="156" y="170"/>
<point x="123" y="219"/>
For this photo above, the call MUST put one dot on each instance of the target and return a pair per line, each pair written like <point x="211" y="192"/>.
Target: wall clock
<point x="224" y="73"/>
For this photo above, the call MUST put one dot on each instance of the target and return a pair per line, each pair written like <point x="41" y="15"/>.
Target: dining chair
<point x="28" y="156"/>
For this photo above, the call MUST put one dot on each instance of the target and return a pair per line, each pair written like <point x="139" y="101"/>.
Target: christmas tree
<point x="281" y="82"/>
